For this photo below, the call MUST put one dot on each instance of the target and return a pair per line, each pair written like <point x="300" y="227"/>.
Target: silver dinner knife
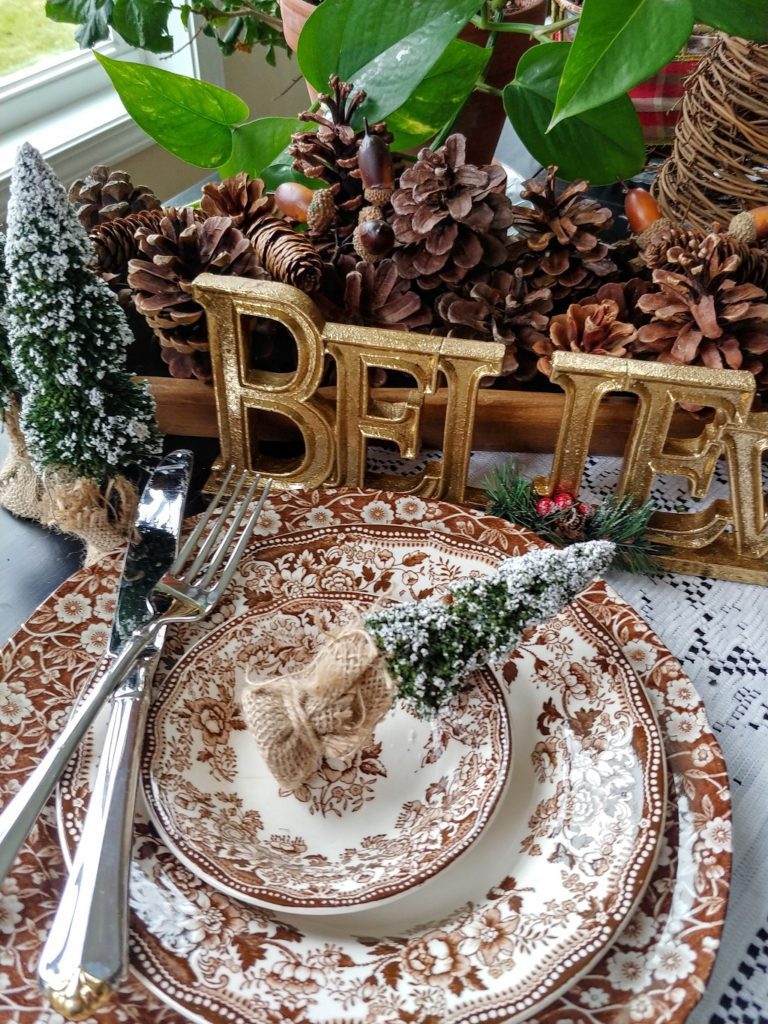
<point x="20" y="814"/>
<point x="86" y="954"/>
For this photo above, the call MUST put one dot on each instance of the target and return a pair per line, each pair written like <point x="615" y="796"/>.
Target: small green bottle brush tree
<point x="422" y="651"/>
<point x="84" y="421"/>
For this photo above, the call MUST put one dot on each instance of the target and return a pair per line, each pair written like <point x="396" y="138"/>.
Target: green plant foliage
<point x="260" y="148"/>
<point x="617" y="46"/>
<point x="191" y="119"/>
<point x="746" y="18"/>
<point x="602" y="144"/>
<point x="144" y="24"/>
<point x="385" y="48"/>
<point x="91" y="15"/>
<point x="439" y="97"/>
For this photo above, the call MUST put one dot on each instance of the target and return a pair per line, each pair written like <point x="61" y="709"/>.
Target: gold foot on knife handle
<point x="79" y="996"/>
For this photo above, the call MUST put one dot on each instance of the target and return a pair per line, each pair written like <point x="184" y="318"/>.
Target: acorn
<point x="644" y="216"/>
<point x="373" y="240"/>
<point x="641" y="209"/>
<point x="322" y="211"/>
<point x="369" y="213"/>
<point x="315" y="208"/>
<point x="376" y="168"/>
<point x="750" y="225"/>
<point x="293" y="199"/>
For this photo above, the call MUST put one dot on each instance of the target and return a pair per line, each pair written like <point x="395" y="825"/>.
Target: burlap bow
<point x="329" y="710"/>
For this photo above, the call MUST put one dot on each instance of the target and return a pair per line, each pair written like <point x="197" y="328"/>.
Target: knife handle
<point x="20" y="815"/>
<point x="86" y="954"/>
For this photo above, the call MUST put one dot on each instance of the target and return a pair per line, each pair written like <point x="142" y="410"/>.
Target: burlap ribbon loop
<point x="102" y="516"/>
<point x="328" y="710"/>
<point x="21" y="489"/>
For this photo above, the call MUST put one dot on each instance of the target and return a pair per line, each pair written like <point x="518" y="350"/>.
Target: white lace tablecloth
<point x="719" y="633"/>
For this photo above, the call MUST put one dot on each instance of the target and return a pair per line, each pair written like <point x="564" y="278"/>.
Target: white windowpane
<point x="28" y="39"/>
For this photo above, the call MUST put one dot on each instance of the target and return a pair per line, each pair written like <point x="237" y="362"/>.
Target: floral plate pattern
<point x="654" y="973"/>
<point x="357" y="832"/>
<point x="499" y="932"/>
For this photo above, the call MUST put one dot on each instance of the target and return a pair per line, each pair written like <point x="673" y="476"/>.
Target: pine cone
<point x="105" y="195"/>
<point x="162" y="281"/>
<point x="626" y="295"/>
<point x="114" y="242"/>
<point x="595" y="329"/>
<point x="679" y="247"/>
<point x="501" y="310"/>
<point x="286" y="255"/>
<point x="560" y="248"/>
<point x="375" y="296"/>
<point x="330" y="153"/>
<point x="240" y="198"/>
<point x="450" y="217"/>
<point x="702" y="315"/>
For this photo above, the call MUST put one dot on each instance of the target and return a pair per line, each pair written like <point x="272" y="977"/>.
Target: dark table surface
<point x="34" y="561"/>
<point x="48" y="559"/>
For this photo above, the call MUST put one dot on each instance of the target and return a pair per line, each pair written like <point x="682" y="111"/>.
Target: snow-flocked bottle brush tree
<point x="85" y="422"/>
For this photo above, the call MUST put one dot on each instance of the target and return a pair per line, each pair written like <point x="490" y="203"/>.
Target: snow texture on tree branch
<point x="68" y="338"/>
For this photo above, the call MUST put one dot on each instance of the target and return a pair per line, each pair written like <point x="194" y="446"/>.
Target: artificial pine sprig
<point x="431" y="645"/>
<point x="563" y="520"/>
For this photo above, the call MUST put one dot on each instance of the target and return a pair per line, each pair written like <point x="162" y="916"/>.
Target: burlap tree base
<point x="21" y="489"/>
<point x="102" y="517"/>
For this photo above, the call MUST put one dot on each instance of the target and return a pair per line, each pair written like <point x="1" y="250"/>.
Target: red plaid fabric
<point x="659" y="99"/>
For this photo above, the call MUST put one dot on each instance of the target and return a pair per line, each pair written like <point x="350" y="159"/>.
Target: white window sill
<point x="94" y="131"/>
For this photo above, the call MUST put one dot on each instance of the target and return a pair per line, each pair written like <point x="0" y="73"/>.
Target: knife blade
<point x="86" y="954"/>
<point x="155" y="550"/>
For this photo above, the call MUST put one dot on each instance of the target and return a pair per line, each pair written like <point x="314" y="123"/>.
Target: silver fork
<point x="86" y="954"/>
<point x="195" y="590"/>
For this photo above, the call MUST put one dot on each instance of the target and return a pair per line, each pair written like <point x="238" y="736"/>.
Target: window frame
<point x="69" y="110"/>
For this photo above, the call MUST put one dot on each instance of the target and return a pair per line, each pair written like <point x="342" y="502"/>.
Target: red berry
<point x="563" y="500"/>
<point x="584" y="509"/>
<point x="544" y="506"/>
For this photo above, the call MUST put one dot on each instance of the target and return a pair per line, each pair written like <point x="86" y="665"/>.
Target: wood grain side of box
<point x="524" y="421"/>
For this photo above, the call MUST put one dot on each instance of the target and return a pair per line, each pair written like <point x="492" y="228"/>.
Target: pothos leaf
<point x="144" y="23"/>
<point x="191" y="119"/>
<point x="616" y="47"/>
<point x="602" y="144"/>
<point x="385" y="48"/>
<point x="439" y="95"/>
<point x="260" y="147"/>
<point x="745" y="18"/>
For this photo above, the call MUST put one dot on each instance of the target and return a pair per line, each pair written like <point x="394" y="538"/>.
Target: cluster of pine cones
<point x="459" y="259"/>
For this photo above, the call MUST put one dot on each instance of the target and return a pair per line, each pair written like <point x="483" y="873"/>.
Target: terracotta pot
<point x="294" y="13"/>
<point x="483" y="116"/>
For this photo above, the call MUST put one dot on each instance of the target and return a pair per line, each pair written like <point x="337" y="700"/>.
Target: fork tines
<point x="191" y="583"/>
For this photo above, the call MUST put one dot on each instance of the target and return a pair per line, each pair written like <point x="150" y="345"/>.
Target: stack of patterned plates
<point x="549" y="848"/>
